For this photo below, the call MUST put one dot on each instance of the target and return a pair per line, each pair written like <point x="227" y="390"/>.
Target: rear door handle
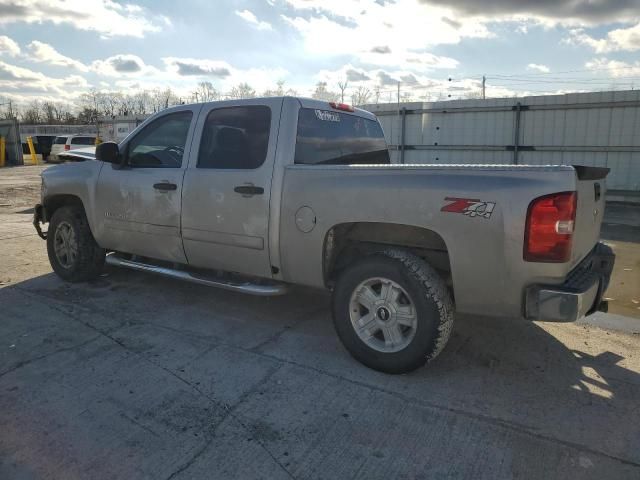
<point x="165" y="186"/>
<point x="249" y="190"/>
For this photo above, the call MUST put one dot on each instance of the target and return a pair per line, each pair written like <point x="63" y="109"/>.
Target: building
<point x="596" y="129"/>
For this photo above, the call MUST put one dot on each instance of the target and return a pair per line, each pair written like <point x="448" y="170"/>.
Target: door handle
<point x="165" y="186"/>
<point x="249" y="190"/>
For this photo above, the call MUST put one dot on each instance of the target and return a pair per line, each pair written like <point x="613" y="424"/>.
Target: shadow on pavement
<point x="138" y="375"/>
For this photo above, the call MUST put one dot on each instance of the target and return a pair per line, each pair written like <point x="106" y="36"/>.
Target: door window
<point x="161" y="144"/>
<point x="235" y="138"/>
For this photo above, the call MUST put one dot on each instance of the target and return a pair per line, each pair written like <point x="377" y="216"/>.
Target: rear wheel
<point x="73" y="252"/>
<point x="392" y="311"/>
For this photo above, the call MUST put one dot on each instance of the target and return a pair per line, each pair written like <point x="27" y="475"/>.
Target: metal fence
<point x="596" y="129"/>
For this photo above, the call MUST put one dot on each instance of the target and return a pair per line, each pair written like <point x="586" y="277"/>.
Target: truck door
<point x="139" y="203"/>
<point x="227" y="187"/>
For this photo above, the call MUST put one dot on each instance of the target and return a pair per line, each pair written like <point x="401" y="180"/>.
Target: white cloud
<point x="107" y="17"/>
<point x="14" y="79"/>
<point x="614" y="68"/>
<point x="250" y="17"/>
<point x="621" y="39"/>
<point x="391" y="34"/>
<point x="221" y="73"/>
<point x="122" y="64"/>
<point x="8" y="46"/>
<point x="45" y="53"/>
<point x="538" y="68"/>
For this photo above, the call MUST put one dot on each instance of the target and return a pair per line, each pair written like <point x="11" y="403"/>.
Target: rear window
<point x="335" y="138"/>
<point x="60" y="140"/>
<point x="83" y="141"/>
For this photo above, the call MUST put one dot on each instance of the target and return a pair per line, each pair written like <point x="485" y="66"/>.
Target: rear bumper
<point x="581" y="294"/>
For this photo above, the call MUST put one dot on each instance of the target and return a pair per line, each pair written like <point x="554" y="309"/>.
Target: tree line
<point x="95" y="104"/>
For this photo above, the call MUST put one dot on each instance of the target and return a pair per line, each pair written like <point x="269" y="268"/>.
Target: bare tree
<point x="321" y="93"/>
<point x="361" y="96"/>
<point x="33" y="113"/>
<point x="242" y="90"/>
<point x="161" y="99"/>
<point x="343" y="87"/>
<point x="206" y="92"/>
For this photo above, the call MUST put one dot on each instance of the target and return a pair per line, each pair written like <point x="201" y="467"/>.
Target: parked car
<point x="284" y="191"/>
<point x="69" y="142"/>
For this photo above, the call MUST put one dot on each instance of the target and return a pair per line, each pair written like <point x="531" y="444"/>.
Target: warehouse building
<point x="595" y="129"/>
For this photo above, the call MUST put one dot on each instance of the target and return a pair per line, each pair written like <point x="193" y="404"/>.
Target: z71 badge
<point x="469" y="206"/>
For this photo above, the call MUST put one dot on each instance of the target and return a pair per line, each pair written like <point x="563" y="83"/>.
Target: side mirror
<point x="108" y="152"/>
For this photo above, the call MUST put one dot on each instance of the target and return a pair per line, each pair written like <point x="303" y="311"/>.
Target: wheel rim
<point x="65" y="245"/>
<point x="383" y="315"/>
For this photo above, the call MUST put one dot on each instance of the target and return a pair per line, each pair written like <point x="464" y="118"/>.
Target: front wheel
<point x="392" y="311"/>
<point x="73" y="252"/>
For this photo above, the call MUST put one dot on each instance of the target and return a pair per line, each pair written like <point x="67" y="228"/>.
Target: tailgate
<point x="591" y="190"/>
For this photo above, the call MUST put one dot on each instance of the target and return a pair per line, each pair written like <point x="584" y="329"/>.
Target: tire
<point x="80" y="258"/>
<point x="402" y="334"/>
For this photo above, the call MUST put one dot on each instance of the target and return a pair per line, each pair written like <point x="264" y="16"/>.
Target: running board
<point x="244" y="287"/>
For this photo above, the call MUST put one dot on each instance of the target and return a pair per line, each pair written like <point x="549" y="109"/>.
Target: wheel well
<point x="348" y="242"/>
<point x="53" y="203"/>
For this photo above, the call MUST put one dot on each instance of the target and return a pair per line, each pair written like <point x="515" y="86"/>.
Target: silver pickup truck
<point x="257" y="195"/>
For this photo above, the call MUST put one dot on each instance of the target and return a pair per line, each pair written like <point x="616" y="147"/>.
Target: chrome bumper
<point x="580" y="295"/>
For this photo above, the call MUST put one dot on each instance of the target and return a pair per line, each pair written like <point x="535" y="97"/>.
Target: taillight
<point x="67" y="146"/>
<point x="549" y="231"/>
<point x="342" y="106"/>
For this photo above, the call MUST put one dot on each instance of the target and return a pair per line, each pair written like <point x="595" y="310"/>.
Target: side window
<point x="235" y="137"/>
<point x="161" y="143"/>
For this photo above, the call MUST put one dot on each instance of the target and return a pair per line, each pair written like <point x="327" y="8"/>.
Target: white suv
<point x="70" y="142"/>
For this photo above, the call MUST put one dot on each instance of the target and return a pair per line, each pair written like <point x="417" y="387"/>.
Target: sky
<point x="435" y="49"/>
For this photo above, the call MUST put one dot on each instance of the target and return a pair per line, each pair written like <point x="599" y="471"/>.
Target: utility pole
<point x="484" y="87"/>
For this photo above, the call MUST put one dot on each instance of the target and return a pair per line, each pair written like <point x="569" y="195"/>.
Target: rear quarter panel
<point x="489" y="273"/>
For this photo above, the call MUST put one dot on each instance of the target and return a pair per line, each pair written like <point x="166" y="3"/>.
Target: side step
<point x="271" y="290"/>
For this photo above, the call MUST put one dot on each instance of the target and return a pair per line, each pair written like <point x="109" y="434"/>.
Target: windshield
<point x="60" y="140"/>
<point x="335" y="138"/>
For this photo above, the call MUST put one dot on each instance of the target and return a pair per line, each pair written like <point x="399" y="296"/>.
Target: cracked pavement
<point x="136" y="376"/>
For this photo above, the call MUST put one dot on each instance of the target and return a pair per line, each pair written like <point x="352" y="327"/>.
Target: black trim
<point x="591" y="173"/>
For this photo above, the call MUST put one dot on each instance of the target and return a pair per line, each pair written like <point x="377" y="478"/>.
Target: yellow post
<point x="3" y="151"/>
<point x="32" y="151"/>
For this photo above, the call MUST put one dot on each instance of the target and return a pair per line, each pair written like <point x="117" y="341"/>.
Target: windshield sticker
<point x="469" y="206"/>
<point x="327" y="116"/>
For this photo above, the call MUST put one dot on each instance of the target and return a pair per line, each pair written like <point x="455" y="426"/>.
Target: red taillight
<point x="549" y="231"/>
<point x="342" y="106"/>
<point x="67" y="146"/>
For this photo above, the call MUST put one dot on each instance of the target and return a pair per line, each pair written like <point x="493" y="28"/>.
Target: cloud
<point x="23" y="80"/>
<point x="122" y="64"/>
<point x="402" y="24"/>
<point x="222" y="73"/>
<point x="538" y="68"/>
<point x="621" y="39"/>
<point x="382" y="49"/>
<point x="198" y="67"/>
<point x="593" y="12"/>
<point x="45" y="53"/>
<point x="8" y="46"/>
<point x="250" y="17"/>
<point x="614" y="68"/>
<point x="354" y="75"/>
<point x="106" y="17"/>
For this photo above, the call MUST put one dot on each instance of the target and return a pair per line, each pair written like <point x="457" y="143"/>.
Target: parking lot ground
<point x="136" y="376"/>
